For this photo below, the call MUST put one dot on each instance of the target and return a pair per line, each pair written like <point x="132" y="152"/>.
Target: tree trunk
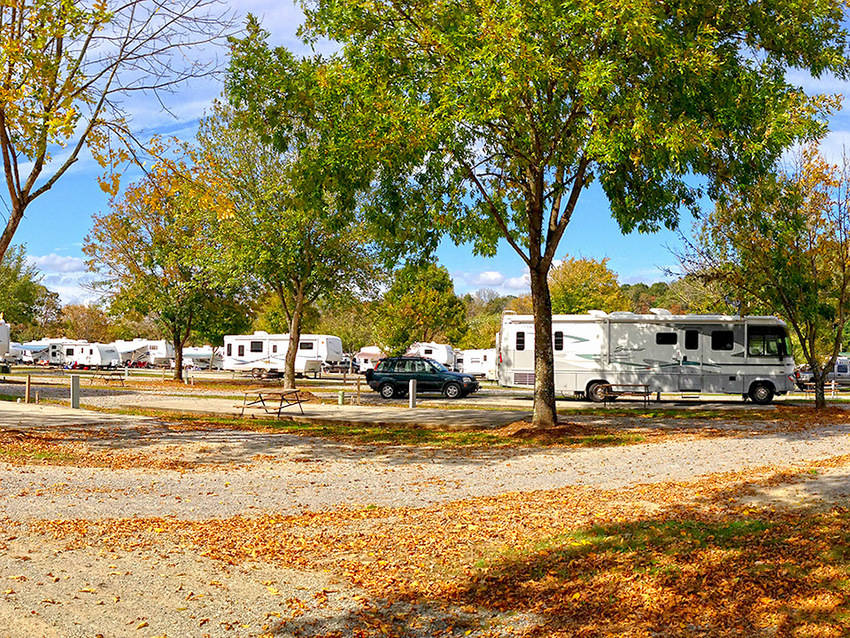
<point x="819" y="379"/>
<point x="294" y="339"/>
<point x="545" y="413"/>
<point x="178" y="354"/>
<point x="16" y="214"/>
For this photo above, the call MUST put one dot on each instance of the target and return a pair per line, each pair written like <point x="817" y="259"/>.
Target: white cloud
<point x="487" y="278"/>
<point x="54" y="263"/>
<point x="521" y="283"/>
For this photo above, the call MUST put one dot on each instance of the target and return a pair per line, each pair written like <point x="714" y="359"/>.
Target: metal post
<point x="358" y="390"/>
<point x="341" y="398"/>
<point x="75" y="391"/>
<point x="412" y="393"/>
<point x="29" y="388"/>
<point x="126" y="372"/>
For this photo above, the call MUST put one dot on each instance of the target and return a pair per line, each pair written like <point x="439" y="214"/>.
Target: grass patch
<point x="19" y="454"/>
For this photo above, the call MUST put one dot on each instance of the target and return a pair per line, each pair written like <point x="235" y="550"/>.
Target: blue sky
<point x="56" y="223"/>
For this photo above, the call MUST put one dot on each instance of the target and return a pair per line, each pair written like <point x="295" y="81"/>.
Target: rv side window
<point x="520" y="341"/>
<point x="841" y="369"/>
<point x="256" y="346"/>
<point x="666" y="338"/>
<point x="691" y="339"/>
<point x="305" y="345"/>
<point x="241" y="351"/>
<point x="766" y="341"/>
<point x="229" y="349"/>
<point x="69" y="352"/>
<point x="559" y="340"/>
<point x="429" y="351"/>
<point x="274" y="348"/>
<point x="722" y="340"/>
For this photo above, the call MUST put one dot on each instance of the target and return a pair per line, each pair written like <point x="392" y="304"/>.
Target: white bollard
<point x="412" y="393"/>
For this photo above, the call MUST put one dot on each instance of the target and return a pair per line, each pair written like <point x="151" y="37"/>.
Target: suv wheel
<point x="452" y="391"/>
<point x="387" y="391"/>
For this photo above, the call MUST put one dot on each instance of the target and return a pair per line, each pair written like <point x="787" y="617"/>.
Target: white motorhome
<point x="439" y="352"/>
<point x="479" y="363"/>
<point x="750" y="356"/>
<point x="154" y="352"/>
<point x="265" y="354"/>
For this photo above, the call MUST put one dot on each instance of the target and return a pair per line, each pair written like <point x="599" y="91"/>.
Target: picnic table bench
<point x="106" y="376"/>
<point x="614" y="390"/>
<point x="271" y="401"/>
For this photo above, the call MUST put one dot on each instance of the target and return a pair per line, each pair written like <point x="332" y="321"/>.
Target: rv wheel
<point x="761" y="393"/>
<point x="255" y="373"/>
<point x="596" y="391"/>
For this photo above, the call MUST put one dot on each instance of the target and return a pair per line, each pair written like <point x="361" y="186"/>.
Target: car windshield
<point x="439" y="366"/>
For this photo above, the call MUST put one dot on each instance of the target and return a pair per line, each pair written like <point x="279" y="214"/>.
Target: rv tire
<point x="596" y="391"/>
<point x="761" y="393"/>
<point x="255" y="373"/>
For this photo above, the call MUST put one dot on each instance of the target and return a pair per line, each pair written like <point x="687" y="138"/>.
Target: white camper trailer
<point x="750" y="356"/>
<point x="201" y="357"/>
<point x="368" y="358"/>
<point x="440" y="352"/>
<point x="153" y="352"/>
<point x="480" y="363"/>
<point x="91" y="355"/>
<point x="265" y="354"/>
<point x="5" y="334"/>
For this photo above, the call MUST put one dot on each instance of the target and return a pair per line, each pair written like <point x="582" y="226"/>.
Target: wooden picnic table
<point x="614" y="390"/>
<point x="106" y="376"/>
<point x="270" y="401"/>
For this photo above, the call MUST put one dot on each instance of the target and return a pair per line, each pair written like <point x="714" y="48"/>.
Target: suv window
<point x="384" y="365"/>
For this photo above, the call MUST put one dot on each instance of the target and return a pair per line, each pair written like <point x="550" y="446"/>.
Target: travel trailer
<point x="5" y="334"/>
<point x="265" y="354"/>
<point x="201" y="357"/>
<point x="479" y="363"/>
<point x="439" y="352"/>
<point x="368" y="357"/>
<point x="750" y="356"/>
<point x="91" y="355"/>
<point x="153" y="352"/>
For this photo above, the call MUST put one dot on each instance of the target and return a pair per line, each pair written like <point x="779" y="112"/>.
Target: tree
<point x="494" y="117"/>
<point x="287" y="232"/>
<point x="87" y="322"/>
<point x="579" y="285"/>
<point x="784" y="246"/>
<point x="483" y="317"/>
<point x="65" y="69"/>
<point x="420" y="306"/>
<point x="153" y="250"/>
<point x="22" y="295"/>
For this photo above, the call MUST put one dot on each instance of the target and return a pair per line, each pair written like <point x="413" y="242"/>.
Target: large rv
<point x="750" y="356"/>
<point x="74" y="353"/>
<point x="265" y="354"/>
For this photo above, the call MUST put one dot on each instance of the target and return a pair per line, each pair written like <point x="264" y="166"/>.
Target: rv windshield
<point x="767" y="341"/>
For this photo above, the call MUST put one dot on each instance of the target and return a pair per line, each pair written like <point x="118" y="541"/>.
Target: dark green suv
<point x="391" y="377"/>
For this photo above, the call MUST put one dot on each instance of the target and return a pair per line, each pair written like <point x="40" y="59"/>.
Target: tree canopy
<point x="578" y="285"/>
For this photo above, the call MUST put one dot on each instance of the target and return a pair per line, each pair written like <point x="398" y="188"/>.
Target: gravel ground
<point x="47" y="589"/>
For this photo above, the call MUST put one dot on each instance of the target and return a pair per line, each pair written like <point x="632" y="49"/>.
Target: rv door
<point x="690" y="361"/>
